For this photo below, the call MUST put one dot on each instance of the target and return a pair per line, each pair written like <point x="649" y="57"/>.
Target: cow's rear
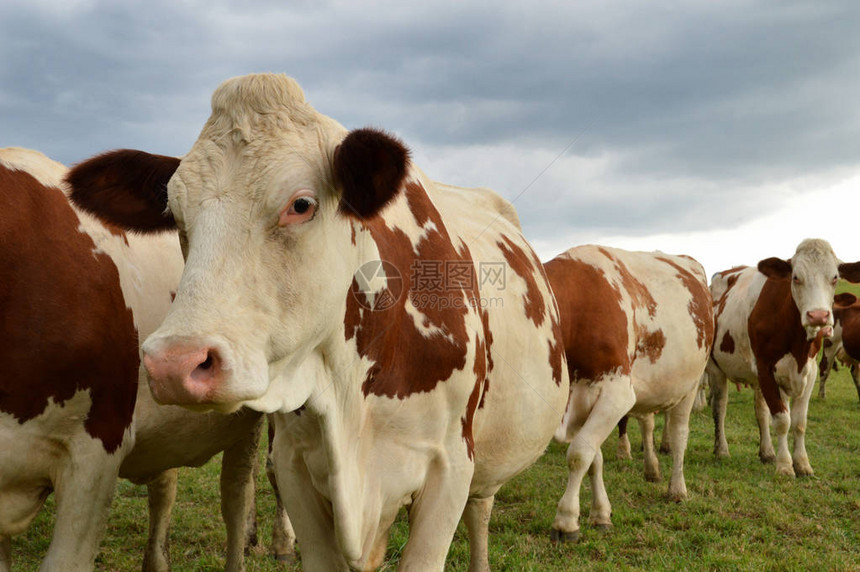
<point x="638" y="330"/>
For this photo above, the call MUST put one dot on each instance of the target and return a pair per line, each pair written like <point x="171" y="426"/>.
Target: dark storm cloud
<point x="671" y="115"/>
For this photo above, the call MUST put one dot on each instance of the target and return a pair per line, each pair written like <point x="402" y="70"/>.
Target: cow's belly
<point x="664" y="383"/>
<point x="521" y="412"/>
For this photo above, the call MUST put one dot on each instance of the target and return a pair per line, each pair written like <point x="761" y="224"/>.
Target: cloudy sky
<point x="725" y="130"/>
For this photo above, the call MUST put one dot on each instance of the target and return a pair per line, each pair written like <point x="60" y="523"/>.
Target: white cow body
<point x="387" y="388"/>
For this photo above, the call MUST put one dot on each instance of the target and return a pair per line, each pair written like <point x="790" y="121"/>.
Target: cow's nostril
<point x="207" y="363"/>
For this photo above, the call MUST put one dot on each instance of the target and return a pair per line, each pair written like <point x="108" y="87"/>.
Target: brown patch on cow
<point x="65" y="325"/>
<point x="727" y="346"/>
<point x="593" y="322"/>
<point x="651" y="344"/>
<point x="556" y="350"/>
<point x="732" y="273"/>
<point x="521" y="263"/>
<point x="701" y="306"/>
<point x="404" y="360"/>
<point x="776" y="330"/>
<point x="849" y="316"/>
<point x="640" y="295"/>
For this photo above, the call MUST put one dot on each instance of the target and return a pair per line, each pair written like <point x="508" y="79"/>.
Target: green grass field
<point x="739" y="515"/>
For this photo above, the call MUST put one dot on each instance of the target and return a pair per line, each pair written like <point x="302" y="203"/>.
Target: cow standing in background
<point x="312" y="290"/>
<point x="73" y="295"/>
<point x="637" y="329"/>
<point x="770" y="323"/>
<point x="845" y="343"/>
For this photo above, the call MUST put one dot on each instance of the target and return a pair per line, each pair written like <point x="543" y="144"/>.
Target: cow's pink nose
<point x="184" y="376"/>
<point x="818" y="317"/>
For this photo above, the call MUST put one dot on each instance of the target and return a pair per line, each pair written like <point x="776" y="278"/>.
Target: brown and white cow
<point x="74" y="293"/>
<point x="402" y="330"/>
<point x="844" y="345"/>
<point x="770" y="323"/>
<point x="638" y="329"/>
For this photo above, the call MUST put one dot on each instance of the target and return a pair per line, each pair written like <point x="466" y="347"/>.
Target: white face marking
<point x="813" y="284"/>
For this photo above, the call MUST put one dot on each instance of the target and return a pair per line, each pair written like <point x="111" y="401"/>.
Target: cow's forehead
<point x="814" y="257"/>
<point x="261" y="133"/>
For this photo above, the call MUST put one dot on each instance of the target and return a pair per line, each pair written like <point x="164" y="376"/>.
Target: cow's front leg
<point x="855" y="375"/>
<point x="5" y="553"/>
<point x="762" y="415"/>
<point x="83" y="489"/>
<point x="238" y="468"/>
<point x="799" y="409"/>
<point x="435" y="513"/>
<point x="161" y="494"/>
<point x="782" y="425"/>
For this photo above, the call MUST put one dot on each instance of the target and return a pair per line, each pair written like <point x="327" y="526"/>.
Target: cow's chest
<point x="793" y="377"/>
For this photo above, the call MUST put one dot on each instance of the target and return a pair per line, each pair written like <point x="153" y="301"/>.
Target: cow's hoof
<point x="560" y="536"/>
<point x="602" y="527"/>
<point x="803" y="471"/>
<point x="767" y="458"/>
<point x="286" y="558"/>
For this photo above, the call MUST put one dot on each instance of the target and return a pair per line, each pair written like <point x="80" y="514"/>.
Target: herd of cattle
<point x="154" y="309"/>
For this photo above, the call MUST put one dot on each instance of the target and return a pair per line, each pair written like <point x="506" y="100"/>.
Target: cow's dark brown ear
<point x="775" y="268"/>
<point x="126" y="188"/>
<point x="369" y="167"/>
<point x="844" y="299"/>
<point x="850" y="271"/>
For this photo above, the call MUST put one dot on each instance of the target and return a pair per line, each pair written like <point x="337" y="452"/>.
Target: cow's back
<point x="527" y="382"/>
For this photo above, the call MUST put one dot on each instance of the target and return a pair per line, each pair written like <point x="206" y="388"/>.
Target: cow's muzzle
<point x="184" y="374"/>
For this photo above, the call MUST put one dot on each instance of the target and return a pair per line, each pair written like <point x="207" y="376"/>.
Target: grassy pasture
<point x="739" y="516"/>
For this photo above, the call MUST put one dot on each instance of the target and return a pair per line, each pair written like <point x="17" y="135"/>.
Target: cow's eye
<point x="796" y="279"/>
<point x="301" y="208"/>
<point x="834" y="280"/>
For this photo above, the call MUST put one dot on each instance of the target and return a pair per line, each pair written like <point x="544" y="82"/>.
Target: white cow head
<point x="814" y="271"/>
<point x="268" y="203"/>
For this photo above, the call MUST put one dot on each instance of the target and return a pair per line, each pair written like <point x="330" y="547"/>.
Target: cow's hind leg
<point x="477" y="518"/>
<point x="719" y="402"/>
<point x="678" y="431"/>
<point x="762" y="415"/>
<point x="615" y="399"/>
<point x="624" y="451"/>
<point x="161" y="496"/>
<point x="652" y="463"/>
